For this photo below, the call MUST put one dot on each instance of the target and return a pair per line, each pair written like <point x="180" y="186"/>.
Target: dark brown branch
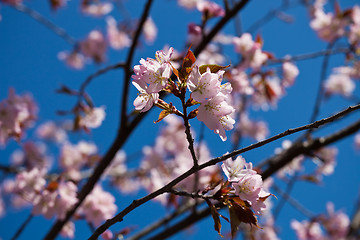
<point x="283" y="159"/>
<point x="124" y="131"/>
<point x="274" y="166"/>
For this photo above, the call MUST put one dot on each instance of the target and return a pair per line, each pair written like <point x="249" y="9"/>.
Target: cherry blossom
<point x="240" y="81"/>
<point x="236" y="169"/>
<point x="357" y="141"/>
<point x="117" y="39"/>
<point x="247" y="184"/>
<point x="204" y="86"/>
<point x="150" y="30"/>
<point x="215" y="113"/>
<point x="97" y="9"/>
<point x="194" y="34"/>
<point x="98" y="206"/>
<point x="251" y="51"/>
<point x="326" y="160"/>
<point x="144" y="100"/>
<point x="336" y="223"/>
<point x="68" y="231"/>
<point x="306" y="230"/>
<point x="29" y="183"/>
<point x="327" y="26"/>
<point x="93" y="117"/>
<point x="290" y="72"/>
<point x="74" y="59"/>
<point x="257" y="130"/>
<point x="17" y="113"/>
<point x="210" y="9"/>
<point x="94" y="46"/>
<point x="188" y="3"/>
<point x="339" y="84"/>
<point x="154" y="72"/>
<point x="50" y="131"/>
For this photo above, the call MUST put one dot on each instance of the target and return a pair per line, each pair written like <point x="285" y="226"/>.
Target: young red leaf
<point x="214" y="68"/>
<point x="162" y="115"/>
<point x="215" y="216"/>
<point x="187" y="64"/>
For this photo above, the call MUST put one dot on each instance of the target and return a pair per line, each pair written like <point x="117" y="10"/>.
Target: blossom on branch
<point x="17" y="113"/>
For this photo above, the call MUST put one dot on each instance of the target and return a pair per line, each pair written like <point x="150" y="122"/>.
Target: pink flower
<point x="35" y="155"/>
<point x="194" y="34"/>
<point x="268" y="91"/>
<point x="144" y="100"/>
<point x="73" y="157"/>
<point x="210" y="9"/>
<point x="204" y="86"/>
<point x="339" y="84"/>
<point x="327" y="26"/>
<point x="16" y="114"/>
<point x="44" y="204"/>
<point x="29" y="183"/>
<point x="66" y="198"/>
<point x="326" y="160"/>
<point x="236" y="169"/>
<point x="240" y="82"/>
<point x="215" y="113"/>
<point x="68" y="230"/>
<point x="307" y="230"/>
<point x="336" y="223"/>
<point x="97" y="9"/>
<point x="94" y="46"/>
<point x="50" y="131"/>
<point x="74" y="59"/>
<point x="256" y="130"/>
<point x="357" y="141"/>
<point x="154" y="72"/>
<point x="150" y="31"/>
<point x="117" y="39"/>
<point x="93" y="117"/>
<point x="98" y="206"/>
<point x="189" y="4"/>
<point x="251" y="51"/>
<point x="290" y="72"/>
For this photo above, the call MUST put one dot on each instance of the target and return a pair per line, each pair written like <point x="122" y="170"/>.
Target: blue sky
<point x="29" y="63"/>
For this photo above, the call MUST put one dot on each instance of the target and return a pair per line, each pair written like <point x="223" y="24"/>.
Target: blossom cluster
<point x="204" y="83"/>
<point x="17" y="113"/>
<point x="246" y="182"/>
<point x="335" y="224"/>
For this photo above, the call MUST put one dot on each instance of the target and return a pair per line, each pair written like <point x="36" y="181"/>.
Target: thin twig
<point x="47" y="23"/>
<point x="320" y="142"/>
<point x="286" y="196"/>
<point x="282" y="160"/>
<point x="22" y="227"/>
<point x="125" y="129"/>
<point x="306" y="56"/>
<point x="320" y="93"/>
<point x="96" y="74"/>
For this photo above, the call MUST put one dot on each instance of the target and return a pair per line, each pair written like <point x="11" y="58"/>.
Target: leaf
<point x="215" y="216"/>
<point x="193" y="113"/>
<point x="187" y="64"/>
<point x="162" y="115"/>
<point x="214" y="68"/>
<point x="240" y="212"/>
